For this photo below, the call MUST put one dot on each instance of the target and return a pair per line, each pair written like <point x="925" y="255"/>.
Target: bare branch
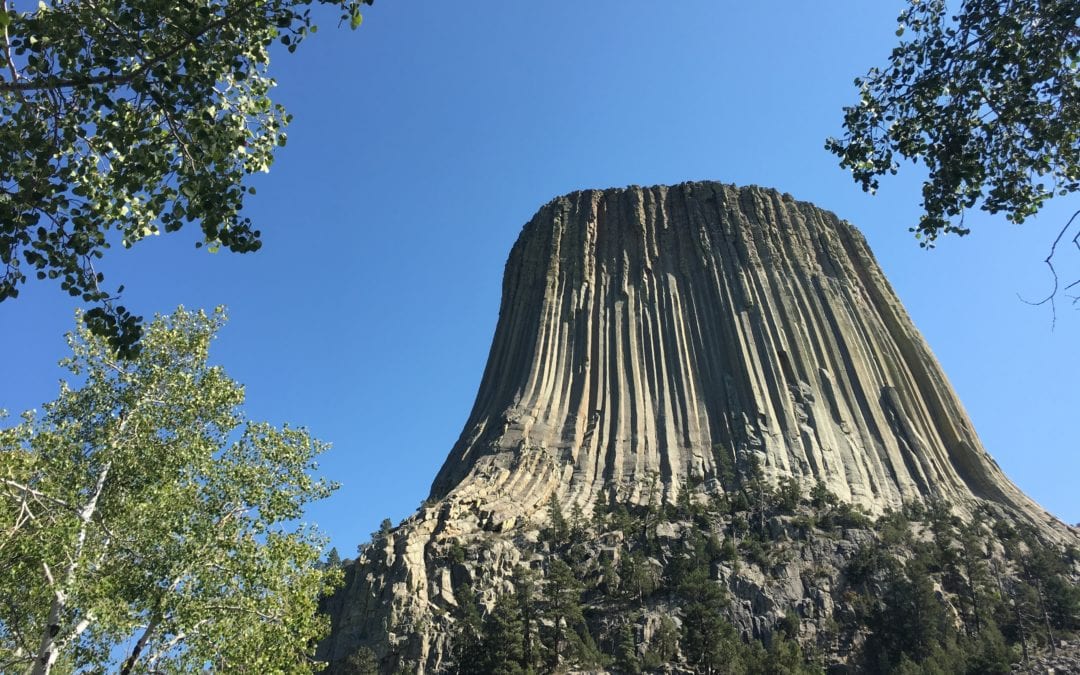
<point x="37" y="494"/>
<point x="1049" y="262"/>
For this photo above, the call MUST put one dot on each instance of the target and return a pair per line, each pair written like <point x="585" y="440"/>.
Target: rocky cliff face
<point x="664" y="330"/>
<point x="664" y="336"/>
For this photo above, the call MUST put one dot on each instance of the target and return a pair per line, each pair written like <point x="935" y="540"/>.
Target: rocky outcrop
<point x="670" y="334"/>
<point x="665" y="330"/>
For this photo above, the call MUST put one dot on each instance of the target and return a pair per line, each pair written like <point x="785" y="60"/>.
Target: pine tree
<point x="467" y="649"/>
<point x="558" y="531"/>
<point x="333" y="559"/>
<point x="524" y="594"/>
<point x="626" y="656"/>
<point x="664" y="645"/>
<point x="502" y="649"/>
<point x="361" y="662"/>
<point x="562" y="610"/>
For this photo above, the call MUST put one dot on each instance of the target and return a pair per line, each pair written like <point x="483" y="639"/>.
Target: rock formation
<point x="660" y="336"/>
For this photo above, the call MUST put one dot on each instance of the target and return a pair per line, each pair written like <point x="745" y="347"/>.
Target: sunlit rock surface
<point x="660" y="334"/>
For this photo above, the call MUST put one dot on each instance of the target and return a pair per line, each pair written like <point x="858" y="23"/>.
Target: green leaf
<point x="188" y="151"/>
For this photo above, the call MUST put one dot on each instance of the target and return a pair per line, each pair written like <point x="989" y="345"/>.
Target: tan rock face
<point x="652" y="337"/>
<point x="664" y="331"/>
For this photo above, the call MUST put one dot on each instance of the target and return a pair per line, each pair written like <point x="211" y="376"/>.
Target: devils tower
<point x="649" y="340"/>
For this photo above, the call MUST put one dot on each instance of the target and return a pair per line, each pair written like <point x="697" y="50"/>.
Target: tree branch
<point x="37" y="494"/>
<point x="171" y="644"/>
<point x="129" y="663"/>
<point x="1049" y="262"/>
<point x="48" y="649"/>
<point x="7" y="49"/>
<point x="118" y="79"/>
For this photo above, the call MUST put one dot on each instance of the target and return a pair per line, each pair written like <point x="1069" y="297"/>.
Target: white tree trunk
<point x="47" y="652"/>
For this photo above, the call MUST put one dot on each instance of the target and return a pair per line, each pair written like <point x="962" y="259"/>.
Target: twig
<point x="1049" y="261"/>
<point x="26" y="489"/>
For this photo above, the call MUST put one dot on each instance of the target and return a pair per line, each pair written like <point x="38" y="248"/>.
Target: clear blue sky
<point x="425" y="140"/>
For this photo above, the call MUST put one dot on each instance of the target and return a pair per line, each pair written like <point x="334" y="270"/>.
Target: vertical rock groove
<point x="644" y="331"/>
<point x="653" y="337"/>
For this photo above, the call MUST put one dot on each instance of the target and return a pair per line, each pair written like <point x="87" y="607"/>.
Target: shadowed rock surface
<point x="667" y="334"/>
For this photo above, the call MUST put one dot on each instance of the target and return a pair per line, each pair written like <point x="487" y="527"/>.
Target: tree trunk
<point x="131" y="660"/>
<point x="1045" y="616"/>
<point x="47" y="651"/>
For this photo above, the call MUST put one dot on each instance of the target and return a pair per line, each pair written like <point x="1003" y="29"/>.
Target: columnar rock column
<point x="670" y="331"/>
<point x="664" y="337"/>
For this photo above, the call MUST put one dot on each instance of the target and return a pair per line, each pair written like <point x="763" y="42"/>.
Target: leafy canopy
<point x="987" y="99"/>
<point x="145" y="525"/>
<point x="120" y="119"/>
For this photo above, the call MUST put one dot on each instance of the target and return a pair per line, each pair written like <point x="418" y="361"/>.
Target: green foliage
<point x="821" y="497"/>
<point x="757" y="551"/>
<point x="894" y="528"/>
<point x="845" y="515"/>
<point x="908" y="591"/>
<point x="725" y="467"/>
<point x="532" y="651"/>
<point x="568" y="636"/>
<point x="788" y="495"/>
<point x="361" y="662"/>
<point x="709" y="641"/>
<point x="909" y="619"/>
<point x="578" y="525"/>
<point x="638" y="579"/>
<point x="502" y="651"/>
<point x="467" y="641"/>
<point x="784" y="656"/>
<point x="145" y="524"/>
<point x="664" y="646"/>
<point x="385" y="526"/>
<point x="984" y="96"/>
<point x="728" y="552"/>
<point x="120" y="122"/>
<point x="600" y="509"/>
<point x="914" y="632"/>
<point x="626" y="656"/>
<point x="558" y="530"/>
<point x="790" y="624"/>
<point x="333" y="559"/>
<point x="457" y="552"/>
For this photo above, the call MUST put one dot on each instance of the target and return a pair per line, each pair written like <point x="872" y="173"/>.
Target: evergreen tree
<point x="558" y="531"/>
<point x="786" y="657"/>
<point x="664" y="646"/>
<point x="909" y="621"/>
<point x="709" y="641"/>
<point x="578" y="524"/>
<point x="468" y="635"/>
<point x="361" y="662"/>
<point x="333" y="559"/>
<point x="563" y="612"/>
<point x="626" y="655"/>
<point x="789" y="494"/>
<point x="502" y="650"/>
<point x="821" y="497"/>
<point x="637" y="578"/>
<point x="525" y="596"/>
